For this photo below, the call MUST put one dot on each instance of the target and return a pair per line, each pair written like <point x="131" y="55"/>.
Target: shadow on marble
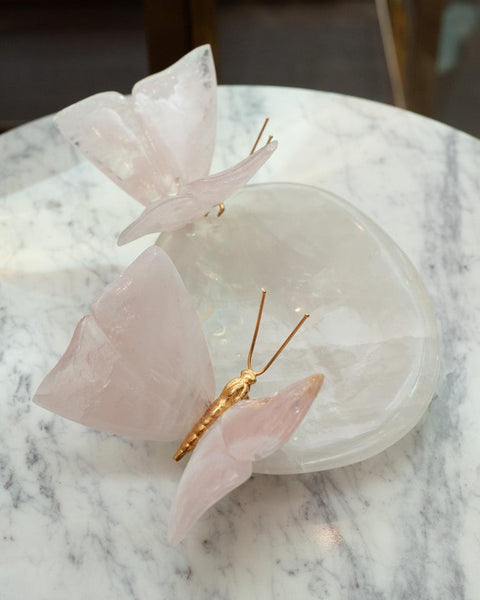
<point x="32" y="153"/>
<point x="71" y="284"/>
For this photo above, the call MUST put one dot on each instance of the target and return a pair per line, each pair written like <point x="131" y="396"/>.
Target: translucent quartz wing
<point x="144" y="144"/>
<point x="178" y="109"/>
<point x="139" y="366"/>
<point x="249" y="431"/>
<point x="105" y="130"/>
<point x="196" y="198"/>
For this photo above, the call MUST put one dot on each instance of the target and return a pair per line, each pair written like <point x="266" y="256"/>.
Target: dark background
<point x="55" y="53"/>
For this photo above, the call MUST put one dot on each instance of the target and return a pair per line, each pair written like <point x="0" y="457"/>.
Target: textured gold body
<point x="237" y="389"/>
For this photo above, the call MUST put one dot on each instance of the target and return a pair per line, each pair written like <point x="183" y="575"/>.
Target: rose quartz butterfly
<point x="139" y="366"/>
<point x="158" y="144"/>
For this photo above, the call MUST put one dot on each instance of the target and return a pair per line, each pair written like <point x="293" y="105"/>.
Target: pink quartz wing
<point x="144" y="143"/>
<point x="178" y="110"/>
<point x="139" y="365"/>
<point x="249" y="431"/>
<point x="105" y="130"/>
<point x="196" y="198"/>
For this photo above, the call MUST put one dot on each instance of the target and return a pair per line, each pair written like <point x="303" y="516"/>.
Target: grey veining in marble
<point x="84" y="514"/>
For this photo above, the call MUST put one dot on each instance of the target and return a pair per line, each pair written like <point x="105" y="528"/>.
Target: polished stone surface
<point x="85" y="514"/>
<point x="247" y="432"/>
<point x="197" y="198"/>
<point x="138" y="365"/>
<point x="143" y="141"/>
<point x="371" y="329"/>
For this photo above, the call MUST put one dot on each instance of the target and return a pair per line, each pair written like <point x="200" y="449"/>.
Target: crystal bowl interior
<point x="371" y="332"/>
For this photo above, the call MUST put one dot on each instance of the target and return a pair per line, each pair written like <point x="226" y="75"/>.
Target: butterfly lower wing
<point x="178" y="111"/>
<point x="139" y="365"/>
<point x="196" y="198"/>
<point x="211" y="474"/>
<point x="249" y="431"/>
<point x="94" y="385"/>
<point x="105" y="129"/>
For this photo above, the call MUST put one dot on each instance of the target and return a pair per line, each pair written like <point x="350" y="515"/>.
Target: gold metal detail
<point x="237" y="389"/>
<point x="259" y="136"/>
<point x="221" y="206"/>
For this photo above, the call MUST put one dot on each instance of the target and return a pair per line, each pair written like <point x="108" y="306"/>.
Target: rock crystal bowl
<point x="371" y="332"/>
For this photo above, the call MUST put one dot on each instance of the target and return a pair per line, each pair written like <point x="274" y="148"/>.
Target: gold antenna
<point x="255" y="333"/>
<point x="259" y="136"/>
<point x="235" y="390"/>
<point x="221" y="206"/>
<point x="257" y="325"/>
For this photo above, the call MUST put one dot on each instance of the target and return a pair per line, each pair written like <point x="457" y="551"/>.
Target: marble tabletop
<point x="84" y="514"/>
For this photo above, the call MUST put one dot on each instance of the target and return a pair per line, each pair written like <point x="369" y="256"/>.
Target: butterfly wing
<point x="105" y="129"/>
<point x="196" y="198"/>
<point x="249" y="431"/>
<point x="178" y="111"/>
<point x="144" y="144"/>
<point x="139" y="365"/>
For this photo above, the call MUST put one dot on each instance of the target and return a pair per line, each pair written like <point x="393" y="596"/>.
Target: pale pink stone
<point x="249" y="431"/>
<point x="105" y="130"/>
<point x="139" y="365"/>
<point x="196" y="198"/>
<point x="178" y="109"/>
<point x="161" y="136"/>
<point x="157" y="145"/>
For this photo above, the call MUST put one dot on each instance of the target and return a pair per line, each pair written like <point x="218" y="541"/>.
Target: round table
<point x="84" y="514"/>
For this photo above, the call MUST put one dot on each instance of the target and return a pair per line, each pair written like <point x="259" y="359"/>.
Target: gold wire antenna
<point x="255" y="333"/>
<point x="237" y="389"/>
<point x="221" y="206"/>
<point x="259" y="137"/>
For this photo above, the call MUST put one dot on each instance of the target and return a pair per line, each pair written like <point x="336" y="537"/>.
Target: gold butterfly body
<point x="236" y="389"/>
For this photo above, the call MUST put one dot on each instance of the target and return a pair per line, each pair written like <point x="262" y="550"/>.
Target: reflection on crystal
<point x="371" y="330"/>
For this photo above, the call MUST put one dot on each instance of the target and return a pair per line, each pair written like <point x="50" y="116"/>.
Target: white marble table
<point x="84" y="514"/>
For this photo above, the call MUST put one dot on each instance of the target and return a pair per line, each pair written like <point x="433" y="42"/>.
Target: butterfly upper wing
<point x="178" y="111"/>
<point x="145" y="144"/>
<point x="249" y="431"/>
<point x="139" y="365"/>
<point x="105" y="129"/>
<point x="196" y="198"/>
